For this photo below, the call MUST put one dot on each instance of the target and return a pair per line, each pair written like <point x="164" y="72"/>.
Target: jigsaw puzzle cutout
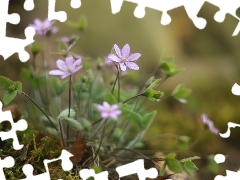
<point x="52" y="14"/>
<point x="87" y="173"/>
<point x="66" y="166"/>
<point x="192" y="8"/>
<point x="20" y="125"/>
<point x="7" y="162"/>
<point x="9" y="46"/>
<point x="137" y="167"/>
<point x="220" y="158"/>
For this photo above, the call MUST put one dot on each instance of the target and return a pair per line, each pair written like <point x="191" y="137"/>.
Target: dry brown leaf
<point x="77" y="149"/>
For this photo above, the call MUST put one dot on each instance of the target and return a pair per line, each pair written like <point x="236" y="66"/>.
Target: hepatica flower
<point x="124" y="58"/>
<point x="210" y="124"/>
<point x="67" y="68"/>
<point x="109" y="111"/>
<point x="43" y="28"/>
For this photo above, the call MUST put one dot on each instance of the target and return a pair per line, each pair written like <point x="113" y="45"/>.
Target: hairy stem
<point x="69" y="102"/>
<point x="103" y="132"/>
<point x="132" y="98"/>
<point x="40" y="109"/>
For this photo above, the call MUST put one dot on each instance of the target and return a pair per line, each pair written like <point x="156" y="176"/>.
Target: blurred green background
<point x="210" y="58"/>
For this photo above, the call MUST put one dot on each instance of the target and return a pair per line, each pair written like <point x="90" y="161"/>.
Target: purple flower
<point x="210" y="124"/>
<point x="124" y="58"/>
<point x="43" y="28"/>
<point x="69" y="40"/>
<point x="67" y="68"/>
<point x="108" y="111"/>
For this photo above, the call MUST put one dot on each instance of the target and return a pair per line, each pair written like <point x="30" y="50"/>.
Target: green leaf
<point x="154" y="84"/>
<point x="110" y="98"/>
<point x="52" y="131"/>
<point x="151" y="94"/>
<point x="170" y="156"/>
<point x="169" y="59"/>
<point x="189" y="159"/>
<point x="212" y="165"/>
<point x="163" y="168"/>
<point x="117" y="132"/>
<point x="134" y="117"/>
<point x="189" y="167"/>
<point x="147" y="120"/>
<point x="33" y="80"/>
<point x="174" y="165"/>
<point x="8" y="97"/>
<point x="64" y="113"/>
<point x="58" y="85"/>
<point x="175" y="72"/>
<point x="180" y="92"/>
<point x="6" y="84"/>
<point x="168" y="67"/>
<point x="86" y="125"/>
<point x="36" y="47"/>
<point x="183" y="142"/>
<point x="47" y="123"/>
<point x="186" y="170"/>
<point x="80" y="25"/>
<point x="72" y="123"/>
<point x="18" y="86"/>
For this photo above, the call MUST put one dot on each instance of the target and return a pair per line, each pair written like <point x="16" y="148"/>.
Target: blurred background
<point x="210" y="58"/>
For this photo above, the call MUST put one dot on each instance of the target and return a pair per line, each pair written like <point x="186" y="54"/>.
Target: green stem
<point x="34" y="62"/>
<point x="40" y="109"/>
<point x="119" y="73"/>
<point x="132" y="98"/>
<point x="69" y="102"/>
<point x="105" y="123"/>
<point x="61" y="132"/>
<point x="115" y="81"/>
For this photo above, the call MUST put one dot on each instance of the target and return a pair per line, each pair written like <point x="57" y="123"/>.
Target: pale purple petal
<point x="125" y="51"/>
<point x="47" y="23"/>
<point x="100" y="107"/>
<point x="118" y="112"/>
<point x="57" y="72"/>
<point x="113" y="57"/>
<point x="106" y="105"/>
<point x="210" y="124"/>
<point x="76" y="69"/>
<point x="132" y="65"/>
<point x="114" y="107"/>
<point x="64" y="39"/>
<point x="78" y="62"/>
<point x="61" y="65"/>
<point x="66" y="75"/>
<point x="123" y="67"/>
<point x="54" y="30"/>
<point x="104" y="115"/>
<point x="117" y="50"/>
<point x="69" y="61"/>
<point x="134" y="57"/>
<point x="38" y="22"/>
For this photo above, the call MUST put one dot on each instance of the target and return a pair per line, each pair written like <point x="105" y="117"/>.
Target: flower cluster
<point x="43" y="28"/>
